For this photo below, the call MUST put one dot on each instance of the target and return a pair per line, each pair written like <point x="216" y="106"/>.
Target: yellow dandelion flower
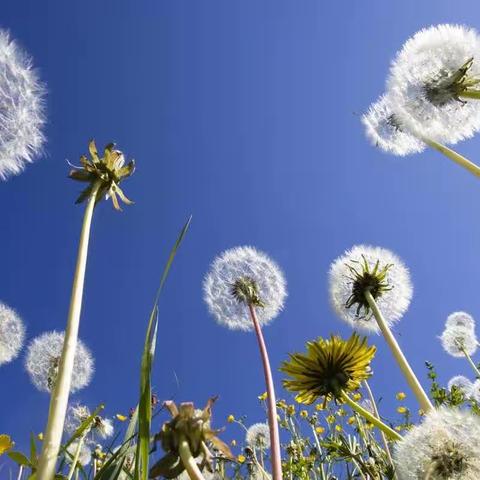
<point x="303" y="413"/>
<point x="351" y="420"/>
<point x="402" y="409"/>
<point x="6" y="443"/>
<point x="121" y="418"/>
<point x="241" y="458"/>
<point x="330" y="419"/>
<point x="230" y="419"/>
<point x="329" y="368"/>
<point x="320" y="430"/>
<point x="401" y="396"/>
<point x="263" y="396"/>
<point x="341" y="412"/>
<point x="338" y="428"/>
<point x="357" y="396"/>
<point x="281" y="404"/>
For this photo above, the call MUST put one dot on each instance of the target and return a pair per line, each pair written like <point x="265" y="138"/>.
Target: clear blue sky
<point x="245" y="114"/>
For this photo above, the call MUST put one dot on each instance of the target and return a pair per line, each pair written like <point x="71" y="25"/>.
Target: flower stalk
<point x="389" y="432"/>
<point x="271" y="400"/>
<point x="423" y="400"/>
<point x="76" y="456"/>
<point x="60" y="393"/>
<point x="471" y="362"/>
<point x="188" y="461"/>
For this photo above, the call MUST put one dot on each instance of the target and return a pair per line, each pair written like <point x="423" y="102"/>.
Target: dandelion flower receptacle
<point x="245" y="290"/>
<point x="370" y="288"/>
<point x="441" y="447"/>
<point x="103" y="175"/>
<point x="12" y="334"/>
<point x="22" y="106"/>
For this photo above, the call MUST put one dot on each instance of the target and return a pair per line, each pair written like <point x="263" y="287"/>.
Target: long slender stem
<point x="472" y="94"/>
<point x="271" y="400"/>
<point x="407" y="371"/>
<point x="453" y="155"/>
<point x="320" y="451"/>
<point x="392" y="434"/>
<point x="188" y="461"/>
<point x="61" y="391"/>
<point x="73" y="466"/>
<point x="20" y="472"/>
<point x="375" y="411"/>
<point x="471" y="362"/>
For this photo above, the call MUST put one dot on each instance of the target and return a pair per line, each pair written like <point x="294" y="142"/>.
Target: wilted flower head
<point x="22" y="109"/>
<point x="12" y="334"/>
<point x="328" y="368"/>
<point x="460" y="319"/>
<point x="240" y="277"/>
<point x="78" y="414"/>
<point x="461" y="383"/>
<point x="445" y="446"/>
<point x="374" y="269"/>
<point x="109" y="170"/>
<point x="43" y="358"/>
<point x="427" y="79"/>
<point x="195" y="427"/>
<point x="85" y="454"/>
<point x="385" y="132"/>
<point x="258" y="436"/>
<point x="457" y="341"/>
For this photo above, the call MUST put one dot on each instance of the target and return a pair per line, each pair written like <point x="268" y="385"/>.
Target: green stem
<point x="389" y="432"/>
<point x="61" y="390"/>
<point x="407" y="371"/>
<point x="188" y="461"/>
<point x="320" y="451"/>
<point x="472" y="94"/>
<point x="471" y="362"/>
<point x="73" y="466"/>
<point x="453" y="155"/>
<point x="375" y="411"/>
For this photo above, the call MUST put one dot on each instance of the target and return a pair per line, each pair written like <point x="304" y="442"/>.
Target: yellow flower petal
<point x="121" y="418"/>
<point x="5" y="443"/>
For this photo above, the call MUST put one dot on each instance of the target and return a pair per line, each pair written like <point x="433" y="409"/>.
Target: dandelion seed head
<point x="239" y="273"/>
<point x="12" y="334"/>
<point x="43" y="357"/>
<point x="474" y="392"/>
<point x="85" y="454"/>
<point x="385" y="132"/>
<point x="461" y="383"/>
<point x="392" y="290"/>
<point x="457" y="340"/>
<point x="441" y="446"/>
<point x="22" y="116"/>
<point x="421" y="83"/>
<point x="460" y="319"/>
<point x="258" y="436"/>
<point x="77" y="414"/>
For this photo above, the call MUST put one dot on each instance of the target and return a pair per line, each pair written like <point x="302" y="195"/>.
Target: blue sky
<point x="246" y="115"/>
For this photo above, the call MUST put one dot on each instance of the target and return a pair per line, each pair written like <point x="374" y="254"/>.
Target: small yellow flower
<point x="263" y="396"/>
<point x="402" y="410"/>
<point x="281" y="404"/>
<point x="357" y="396"/>
<point x="291" y="410"/>
<point x="121" y="418"/>
<point x="40" y="436"/>
<point x="303" y="413"/>
<point x="319" y="430"/>
<point x="369" y="425"/>
<point x="401" y="396"/>
<point x="351" y="420"/>
<point x="230" y="419"/>
<point x="330" y="419"/>
<point x="6" y="443"/>
<point x="398" y="428"/>
<point x="341" y="412"/>
<point x="233" y="443"/>
<point x="338" y="428"/>
<point x="319" y="407"/>
<point x="241" y="458"/>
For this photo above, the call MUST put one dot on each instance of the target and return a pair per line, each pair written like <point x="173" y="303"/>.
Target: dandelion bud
<point x="43" y="360"/>
<point x="12" y="333"/>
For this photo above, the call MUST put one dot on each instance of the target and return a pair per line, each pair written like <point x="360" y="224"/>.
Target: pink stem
<point x="271" y="401"/>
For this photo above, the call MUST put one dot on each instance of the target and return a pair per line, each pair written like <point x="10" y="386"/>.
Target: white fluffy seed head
<point x="474" y="392"/>
<point x="446" y="445"/>
<point x="461" y="383"/>
<point x="85" y="454"/>
<point x="425" y="60"/>
<point x="77" y="414"/>
<point x="43" y="359"/>
<point x="384" y="131"/>
<point x="12" y="334"/>
<point x="457" y="340"/>
<point x="258" y="436"/>
<point x="460" y="319"/>
<point x="21" y="109"/>
<point x="238" y="264"/>
<point x="393" y="303"/>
